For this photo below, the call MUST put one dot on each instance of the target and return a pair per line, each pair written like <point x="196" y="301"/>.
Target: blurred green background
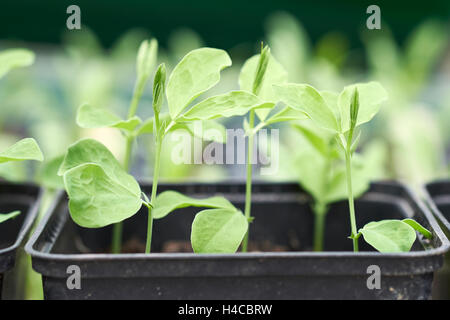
<point x="323" y="43"/>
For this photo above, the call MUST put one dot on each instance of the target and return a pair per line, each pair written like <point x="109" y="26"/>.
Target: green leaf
<point x="7" y="216"/>
<point x="418" y="227"/>
<point x="48" y="174"/>
<point x="25" y="149"/>
<point x="218" y="231"/>
<point x="371" y="95"/>
<point x="197" y="72"/>
<point x="287" y="114"/>
<point x="91" y="151"/>
<point x="146" y="58"/>
<point x="148" y="125"/>
<point x="168" y="201"/>
<point x="94" y="117"/>
<point x="15" y="58"/>
<point x="234" y="103"/>
<point x="159" y="87"/>
<point x="317" y="137"/>
<point x="389" y="235"/>
<point x="275" y="74"/>
<point x="208" y="130"/>
<point x="98" y="198"/>
<point x="305" y="98"/>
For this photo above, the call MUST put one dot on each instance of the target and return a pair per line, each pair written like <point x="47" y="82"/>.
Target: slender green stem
<point x="319" y="225"/>
<point x="153" y="196"/>
<point x="116" y="238"/>
<point x="351" y="203"/>
<point x="248" y="186"/>
<point x="117" y="228"/>
<point x="137" y="94"/>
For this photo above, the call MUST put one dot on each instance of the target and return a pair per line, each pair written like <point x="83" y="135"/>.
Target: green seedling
<point x="322" y="172"/>
<point x="100" y="190"/>
<point x="25" y="149"/>
<point x="356" y="105"/>
<point x="258" y="75"/>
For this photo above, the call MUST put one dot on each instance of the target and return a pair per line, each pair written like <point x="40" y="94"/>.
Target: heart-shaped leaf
<point x="7" y="216"/>
<point x="25" y="149"/>
<point x="98" y="199"/>
<point x="389" y="235"/>
<point x="168" y="201"/>
<point x="197" y="72"/>
<point x="218" y="231"/>
<point x="15" y="58"/>
<point x="91" y="151"/>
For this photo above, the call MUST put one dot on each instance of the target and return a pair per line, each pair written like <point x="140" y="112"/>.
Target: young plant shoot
<point x="356" y="104"/>
<point x="101" y="192"/>
<point x="322" y="172"/>
<point x="25" y="149"/>
<point x="94" y="117"/>
<point x="257" y="76"/>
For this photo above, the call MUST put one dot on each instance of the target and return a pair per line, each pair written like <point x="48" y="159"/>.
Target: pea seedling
<point x="257" y="76"/>
<point x="25" y="149"/>
<point x="321" y="172"/>
<point x="357" y="104"/>
<point x="101" y="192"/>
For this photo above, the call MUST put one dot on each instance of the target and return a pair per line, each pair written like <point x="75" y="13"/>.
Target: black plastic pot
<point x="282" y="216"/>
<point x="438" y="198"/>
<point x="23" y="197"/>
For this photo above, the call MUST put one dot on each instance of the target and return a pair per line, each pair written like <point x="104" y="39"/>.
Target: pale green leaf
<point x="418" y="227"/>
<point x="218" y="231"/>
<point x="286" y="114"/>
<point x="168" y="201"/>
<point x="91" y="151"/>
<point x="371" y="96"/>
<point x="234" y="103"/>
<point x="98" y="199"/>
<point x="25" y="149"/>
<point x="7" y="216"/>
<point x="197" y="72"/>
<point x="146" y="58"/>
<point x="94" y="117"/>
<point x="48" y="174"/>
<point x="305" y="98"/>
<point x="15" y="58"/>
<point x="208" y="130"/>
<point x="275" y="74"/>
<point x="389" y="235"/>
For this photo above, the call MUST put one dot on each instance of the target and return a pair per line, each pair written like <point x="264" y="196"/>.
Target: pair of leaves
<point x="330" y="111"/>
<point x="102" y="193"/>
<point x="216" y="230"/>
<point x="393" y="235"/>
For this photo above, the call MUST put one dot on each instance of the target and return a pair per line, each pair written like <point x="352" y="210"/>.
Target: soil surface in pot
<point x="278" y="226"/>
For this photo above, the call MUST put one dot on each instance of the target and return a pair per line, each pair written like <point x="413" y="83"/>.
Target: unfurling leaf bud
<point x="159" y="84"/>
<point x="261" y="69"/>
<point x="354" y="109"/>
<point x="146" y="58"/>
